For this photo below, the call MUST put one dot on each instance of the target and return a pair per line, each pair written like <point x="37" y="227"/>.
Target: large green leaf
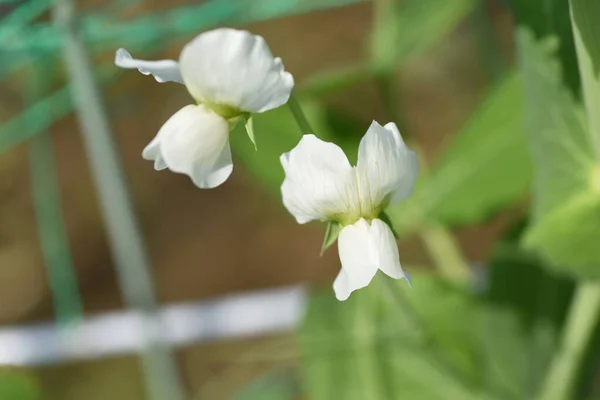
<point x="486" y="168"/>
<point x="586" y="29"/>
<point x="437" y="340"/>
<point x="525" y="307"/>
<point x="551" y="17"/>
<point x="566" y="209"/>
<point x="377" y="346"/>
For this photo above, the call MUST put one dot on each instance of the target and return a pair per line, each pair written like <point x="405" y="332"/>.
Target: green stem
<point x="445" y="252"/>
<point x="578" y="332"/>
<point x="299" y="116"/>
<point x="54" y="241"/>
<point x="52" y="232"/>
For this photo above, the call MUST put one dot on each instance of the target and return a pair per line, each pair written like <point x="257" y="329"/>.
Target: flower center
<point x="361" y="203"/>
<point x="224" y="110"/>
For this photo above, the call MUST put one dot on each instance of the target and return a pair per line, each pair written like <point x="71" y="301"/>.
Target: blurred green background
<point x="501" y="100"/>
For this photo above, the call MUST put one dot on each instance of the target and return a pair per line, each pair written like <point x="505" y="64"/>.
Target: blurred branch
<point x="50" y="224"/>
<point x="581" y="322"/>
<point x="133" y="267"/>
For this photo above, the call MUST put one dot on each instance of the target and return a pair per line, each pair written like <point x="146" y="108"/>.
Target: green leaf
<point x="438" y="340"/>
<point x="525" y="309"/>
<point x="586" y="29"/>
<point x="551" y="19"/>
<point x="249" y="125"/>
<point x="331" y="234"/>
<point x="486" y="168"/>
<point x="372" y="347"/>
<point x="17" y="385"/>
<point x="404" y="28"/>
<point x="566" y="209"/>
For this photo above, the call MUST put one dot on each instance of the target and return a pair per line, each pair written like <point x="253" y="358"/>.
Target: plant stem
<point x="127" y="246"/>
<point x="445" y="252"/>
<point x="52" y="233"/>
<point x="578" y="331"/>
<point x="299" y="116"/>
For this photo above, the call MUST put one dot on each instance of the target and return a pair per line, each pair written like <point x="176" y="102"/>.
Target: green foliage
<point x="566" y="205"/>
<point x="17" y="385"/>
<point x="405" y="28"/>
<point x="586" y="29"/>
<point x="438" y="340"/>
<point x="551" y="17"/>
<point x="486" y="168"/>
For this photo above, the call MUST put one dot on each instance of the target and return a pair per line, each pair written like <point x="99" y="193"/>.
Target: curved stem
<point x="299" y="116"/>
<point x="579" y="328"/>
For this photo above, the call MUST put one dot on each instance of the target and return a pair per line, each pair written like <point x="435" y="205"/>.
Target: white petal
<point x="358" y="263"/>
<point x="319" y="181"/>
<point x="364" y="249"/>
<point x="385" y="249"/>
<point x="386" y="168"/>
<point x="152" y="152"/>
<point x="162" y="70"/>
<point x="235" y="68"/>
<point x="195" y="142"/>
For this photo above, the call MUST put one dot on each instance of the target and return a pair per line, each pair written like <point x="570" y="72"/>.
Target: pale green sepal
<point x="250" y="130"/>
<point x="333" y="230"/>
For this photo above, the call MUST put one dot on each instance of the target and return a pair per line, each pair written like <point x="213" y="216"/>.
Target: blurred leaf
<point x="17" y="385"/>
<point x="437" y="340"/>
<point x="566" y="208"/>
<point x="586" y="28"/>
<point x="486" y="168"/>
<point x="331" y="234"/>
<point x="551" y="17"/>
<point x="375" y="346"/>
<point x="405" y="28"/>
<point x="277" y="385"/>
<point x="525" y="310"/>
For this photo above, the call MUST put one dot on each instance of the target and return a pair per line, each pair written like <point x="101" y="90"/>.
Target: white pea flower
<point x="231" y="74"/>
<point x="320" y="184"/>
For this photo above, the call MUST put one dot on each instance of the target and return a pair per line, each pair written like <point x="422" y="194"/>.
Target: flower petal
<point x="364" y="249"/>
<point x="319" y="181"/>
<point x="386" y="168"/>
<point x="195" y="142"/>
<point x="385" y="250"/>
<point x="235" y="68"/>
<point x="162" y="70"/>
<point x="152" y="152"/>
<point x="358" y="263"/>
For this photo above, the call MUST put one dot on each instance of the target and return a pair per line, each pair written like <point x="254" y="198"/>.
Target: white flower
<point x="231" y="74"/>
<point x="320" y="184"/>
